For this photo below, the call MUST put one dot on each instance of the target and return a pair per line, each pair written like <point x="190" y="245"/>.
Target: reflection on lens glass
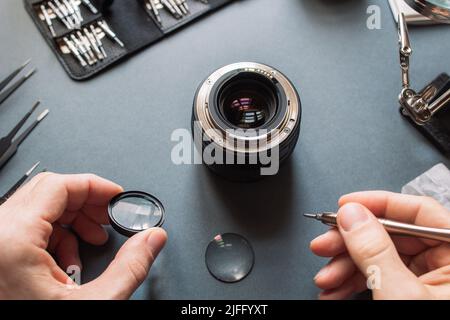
<point x="246" y="110"/>
<point x="134" y="212"/>
<point x="229" y="257"/>
<point x="440" y="3"/>
<point x="248" y="101"/>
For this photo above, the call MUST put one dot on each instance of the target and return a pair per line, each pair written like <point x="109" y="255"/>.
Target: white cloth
<point x="434" y="183"/>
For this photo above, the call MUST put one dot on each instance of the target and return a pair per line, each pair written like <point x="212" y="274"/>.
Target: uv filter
<point x="135" y="211"/>
<point x="229" y="257"/>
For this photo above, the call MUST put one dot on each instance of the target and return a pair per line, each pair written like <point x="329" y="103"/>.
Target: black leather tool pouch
<point x="131" y="20"/>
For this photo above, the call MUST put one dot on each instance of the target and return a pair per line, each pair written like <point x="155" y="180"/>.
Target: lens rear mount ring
<point x="253" y="86"/>
<point x="256" y="143"/>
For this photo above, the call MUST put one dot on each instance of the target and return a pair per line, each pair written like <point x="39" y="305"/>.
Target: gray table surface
<point x="119" y="124"/>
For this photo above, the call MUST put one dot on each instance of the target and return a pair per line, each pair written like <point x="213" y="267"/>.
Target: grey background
<point x="119" y="124"/>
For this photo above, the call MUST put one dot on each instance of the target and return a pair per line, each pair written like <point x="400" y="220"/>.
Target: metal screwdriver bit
<point x="48" y="20"/>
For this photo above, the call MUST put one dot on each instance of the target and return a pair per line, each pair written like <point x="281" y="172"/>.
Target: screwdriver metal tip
<point x="29" y="172"/>
<point x="35" y="105"/>
<point x="310" y="215"/>
<point x="43" y="115"/>
<point x="29" y="74"/>
<point x="26" y="63"/>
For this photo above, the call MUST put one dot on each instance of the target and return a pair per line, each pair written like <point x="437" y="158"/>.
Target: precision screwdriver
<point x="110" y="33"/>
<point x="392" y="227"/>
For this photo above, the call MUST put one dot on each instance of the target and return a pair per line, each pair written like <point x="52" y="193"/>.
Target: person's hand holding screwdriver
<point x="360" y="248"/>
<point x="37" y="223"/>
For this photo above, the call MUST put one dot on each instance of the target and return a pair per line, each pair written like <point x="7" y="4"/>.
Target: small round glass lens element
<point x="229" y="257"/>
<point x="135" y="211"/>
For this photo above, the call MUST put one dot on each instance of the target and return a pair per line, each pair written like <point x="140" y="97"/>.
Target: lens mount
<point x="245" y="100"/>
<point x="274" y="94"/>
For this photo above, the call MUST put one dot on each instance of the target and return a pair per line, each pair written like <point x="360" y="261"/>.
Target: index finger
<point x="417" y="210"/>
<point x="54" y="194"/>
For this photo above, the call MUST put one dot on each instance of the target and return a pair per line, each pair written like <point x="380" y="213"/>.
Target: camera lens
<point x="247" y="101"/>
<point x="246" y="120"/>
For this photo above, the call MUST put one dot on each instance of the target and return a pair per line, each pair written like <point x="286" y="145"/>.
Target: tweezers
<point x="9" y="145"/>
<point x="18" y="184"/>
<point x="13" y="87"/>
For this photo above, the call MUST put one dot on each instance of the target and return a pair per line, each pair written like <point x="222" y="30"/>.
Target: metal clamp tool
<point x="419" y="106"/>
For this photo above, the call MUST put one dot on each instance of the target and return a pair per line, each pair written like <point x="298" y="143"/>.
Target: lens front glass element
<point x="136" y="212"/>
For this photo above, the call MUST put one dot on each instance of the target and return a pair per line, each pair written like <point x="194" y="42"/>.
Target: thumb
<point x="129" y="268"/>
<point x="374" y="253"/>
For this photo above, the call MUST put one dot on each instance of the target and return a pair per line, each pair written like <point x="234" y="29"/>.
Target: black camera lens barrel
<point x="246" y="109"/>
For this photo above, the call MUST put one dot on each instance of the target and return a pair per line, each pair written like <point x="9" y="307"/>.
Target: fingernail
<point x="323" y="236"/>
<point x="318" y="238"/>
<point x="351" y="216"/>
<point x="323" y="272"/>
<point x="156" y="240"/>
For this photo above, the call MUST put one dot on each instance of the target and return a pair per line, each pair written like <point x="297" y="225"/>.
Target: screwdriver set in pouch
<point x="88" y="36"/>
